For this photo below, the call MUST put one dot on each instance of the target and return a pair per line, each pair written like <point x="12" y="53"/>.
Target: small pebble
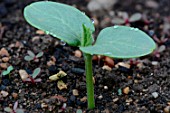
<point x="167" y="109"/>
<point x="105" y="87"/>
<point x="15" y="95"/>
<point x="40" y="32"/>
<point x="35" y="38"/>
<point x="4" y="52"/>
<point x="4" y="93"/>
<point x="155" y="94"/>
<point x="105" y="67"/>
<point x="100" y="96"/>
<point x="109" y="61"/>
<point x="126" y="90"/>
<point x="23" y="74"/>
<point x="3" y="65"/>
<point x="44" y="105"/>
<point x="84" y="99"/>
<point x="75" y="92"/>
<point x="115" y="100"/>
<point x="50" y="63"/>
<point x="78" y="53"/>
<point x="123" y="65"/>
<point x="154" y="63"/>
<point x="5" y="59"/>
<point x="72" y="98"/>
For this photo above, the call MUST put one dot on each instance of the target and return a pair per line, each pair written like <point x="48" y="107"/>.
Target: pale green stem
<point x="89" y="81"/>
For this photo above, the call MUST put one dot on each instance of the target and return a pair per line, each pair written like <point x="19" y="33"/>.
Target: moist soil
<point x="144" y="87"/>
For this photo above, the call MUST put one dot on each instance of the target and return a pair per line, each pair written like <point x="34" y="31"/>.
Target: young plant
<point x="7" y="72"/>
<point x="75" y="28"/>
<point x="32" y="77"/>
<point x="126" y="19"/>
<point x="15" y="109"/>
<point x="31" y="56"/>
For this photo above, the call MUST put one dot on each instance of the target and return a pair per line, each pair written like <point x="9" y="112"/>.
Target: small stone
<point x="105" y="87"/>
<point x="15" y="95"/>
<point x="152" y="4"/>
<point x="155" y="94"/>
<point x="23" y="74"/>
<point x="109" y="61"/>
<point x="97" y="5"/>
<point x="5" y="59"/>
<point x="4" y="93"/>
<point x="126" y="90"/>
<point x="161" y="48"/>
<point x="126" y="65"/>
<point x="136" y="81"/>
<point x="167" y="109"/>
<point x="35" y="38"/>
<point x="61" y="85"/>
<point x="129" y="100"/>
<point x="154" y="63"/>
<point x="105" y="67"/>
<point x="44" y="105"/>
<point x="84" y="99"/>
<point x="153" y="88"/>
<point x="140" y="65"/>
<point x="18" y="44"/>
<point x="115" y="100"/>
<point x="100" y="96"/>
<point x="78" y="53"/>
<point x="50" y="63"/>
<point x="4" y="52"/>
<point x="75" y="92"/>
<point x="3" y="65"/>
<point x="72" y="98"/>
<point x="40" y="32"/>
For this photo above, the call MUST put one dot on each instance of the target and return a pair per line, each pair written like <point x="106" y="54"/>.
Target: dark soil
<point x="148" y="78"/>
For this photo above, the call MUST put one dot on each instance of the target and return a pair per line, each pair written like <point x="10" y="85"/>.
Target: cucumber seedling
<point x="75" y="28"/>
<point x="31" y="56"/>
<point x="33" y="77"/>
